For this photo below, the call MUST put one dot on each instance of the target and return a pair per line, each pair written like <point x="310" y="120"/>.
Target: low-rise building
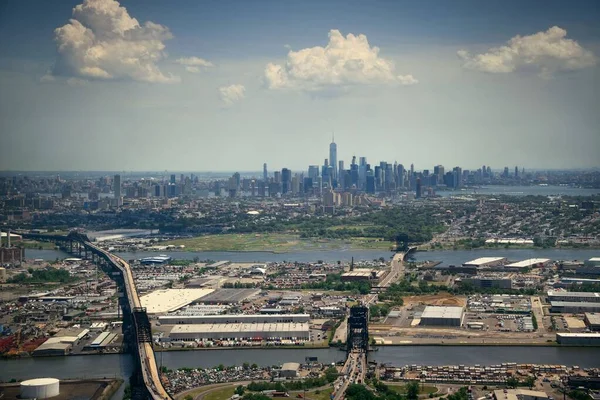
<point x="289" y="370"/>
<point x="578" y="339"/>
<point x="592" y="321"/>
<point x="442" y="316"/>
<point x="573" y="307"/>
<point x="482" y="281"/>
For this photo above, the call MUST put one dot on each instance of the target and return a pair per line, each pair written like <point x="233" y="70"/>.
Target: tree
<point x="512" y="382"/>
<point x="530" y="381"/>
<point x="412" y="390"/>
<point x="239" y="390"/>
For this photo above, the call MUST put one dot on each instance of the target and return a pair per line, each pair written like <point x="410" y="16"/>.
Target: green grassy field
<point x="32" y="244"/>
<point x="220" y="394"/>
<point x="276" y="242"/>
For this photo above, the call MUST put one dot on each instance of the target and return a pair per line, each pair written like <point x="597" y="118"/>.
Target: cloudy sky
<point x="227" y="85"/>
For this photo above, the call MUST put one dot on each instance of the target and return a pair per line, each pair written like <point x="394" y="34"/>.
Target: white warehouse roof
<point x="484" y="260"/>
<point x="442" y="312"/>
<point x="529" y="262"/>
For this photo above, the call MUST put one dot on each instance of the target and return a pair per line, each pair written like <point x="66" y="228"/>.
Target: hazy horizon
<point x="98" y="85"/>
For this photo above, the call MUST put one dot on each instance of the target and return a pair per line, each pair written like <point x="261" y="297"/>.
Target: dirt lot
<point x="440" y="299"/>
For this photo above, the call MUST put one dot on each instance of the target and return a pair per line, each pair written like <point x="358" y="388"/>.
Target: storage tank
<point x="41" y="388"/>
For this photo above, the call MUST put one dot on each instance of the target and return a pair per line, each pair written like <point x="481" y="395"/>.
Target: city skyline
<point x="102" y="85"/>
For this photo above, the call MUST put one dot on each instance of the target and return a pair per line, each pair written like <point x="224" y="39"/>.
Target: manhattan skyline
<point x="101" y="85"/>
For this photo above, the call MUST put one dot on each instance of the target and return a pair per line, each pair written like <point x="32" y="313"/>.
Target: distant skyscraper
<point x="333" y="156"/>
<point x="286" y="180"/>
<point x="265" y="174"/>
<point x="117" y="186"/>
<point x="172" y="178"/>
<point x="418" y="188"/>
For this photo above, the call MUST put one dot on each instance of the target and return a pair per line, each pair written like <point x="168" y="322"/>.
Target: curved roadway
<point x="145" y="351"/>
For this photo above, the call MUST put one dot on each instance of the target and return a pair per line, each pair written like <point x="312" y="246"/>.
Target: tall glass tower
<point x="333" y="156"/>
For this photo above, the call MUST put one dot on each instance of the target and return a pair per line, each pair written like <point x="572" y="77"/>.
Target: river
<point x="115" y="365"/>
<point x="445" y="256"/>
<point x="522" y="191"/>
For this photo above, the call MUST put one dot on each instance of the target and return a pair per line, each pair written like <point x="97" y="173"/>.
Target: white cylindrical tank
<point x="41" y="388"/>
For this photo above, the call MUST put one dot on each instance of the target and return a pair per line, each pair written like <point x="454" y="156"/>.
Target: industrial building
<point x="289" y="370"/>
<point x="529" y="263"/>
<point x="232" y="318"/>
<point x="573" y="307"/>
<point x="592" y="321"/>
<point x="519" y="394"/>
<point x="169" y="300"/>
<point x="361" y="275"/>
<point x="442" y="316"/>
<point x="228" y="296"/>
<point x="40" y="388"/>
<point x="481" y="281"/>
<point x="241" y="331"/>
<point x="561" y="295"/>
<point x="593" y="262"/>
<point x="61" y="343"/>
<point x="486" y="262"/>
<point x="155" y="260"/>
<point x="578" y="339"/>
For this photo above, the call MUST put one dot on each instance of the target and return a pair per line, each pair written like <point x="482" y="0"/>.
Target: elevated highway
<point x="141" y="340"/>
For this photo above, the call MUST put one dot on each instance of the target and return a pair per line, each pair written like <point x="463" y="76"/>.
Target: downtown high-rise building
<point x="117" y="186"/>
<point x="265" y="174"/>
<point x="333" y="157"/>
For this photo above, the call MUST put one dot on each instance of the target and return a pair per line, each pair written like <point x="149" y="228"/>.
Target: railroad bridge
<point x="145" y="381"/>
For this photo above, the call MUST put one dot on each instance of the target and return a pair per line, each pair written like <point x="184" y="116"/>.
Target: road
<point x="145" y="351"/>
<point x="395" y="274"/>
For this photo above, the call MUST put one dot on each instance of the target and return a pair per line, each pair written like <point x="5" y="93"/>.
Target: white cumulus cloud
<point x="547" y="52"/>
<point x="194" y="64"/>
<point x="102" y="41"/>
<point x="232" y="94"/>
<point x="345" y="61"/>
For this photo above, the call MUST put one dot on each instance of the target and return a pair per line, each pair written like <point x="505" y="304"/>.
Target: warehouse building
<point x="486" y="262"/>
<point x="481" y="281"/>
<point x="442" y="316"/>
<point x="529" y="263"/>
<point x="241" y="331"/>
<point x="228" y="296"/>
<point x="562" y="295"/>
<point x="361" y="275"/>
<point x="592" y="321"/>
<point x="289" y="370"/>
<point x="573" y="307"/>
<point x="168" y="300"/>
<point x="593" y="262"/>
<point x="232" y="319"/>
<point x="578" y="339"/>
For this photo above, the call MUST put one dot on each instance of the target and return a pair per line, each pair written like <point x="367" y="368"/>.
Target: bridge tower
<point x="358" y="329"/>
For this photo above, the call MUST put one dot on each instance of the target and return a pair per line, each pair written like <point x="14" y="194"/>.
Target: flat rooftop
<point x="442" y="312"/>
<point x="485" y="260"/>
<point x="573" y="294"/>
<point x="226" y="296"/>
<point x="241" y="327"/>
<point x="167" y="300"/>
<point x="593" y="318"/>
<point x="529" y="262"/>
<point x="580" y="304"/>
<point x="579" y="335"/>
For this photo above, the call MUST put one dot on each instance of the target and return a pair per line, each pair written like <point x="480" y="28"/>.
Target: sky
<point x="224" y="85"/>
